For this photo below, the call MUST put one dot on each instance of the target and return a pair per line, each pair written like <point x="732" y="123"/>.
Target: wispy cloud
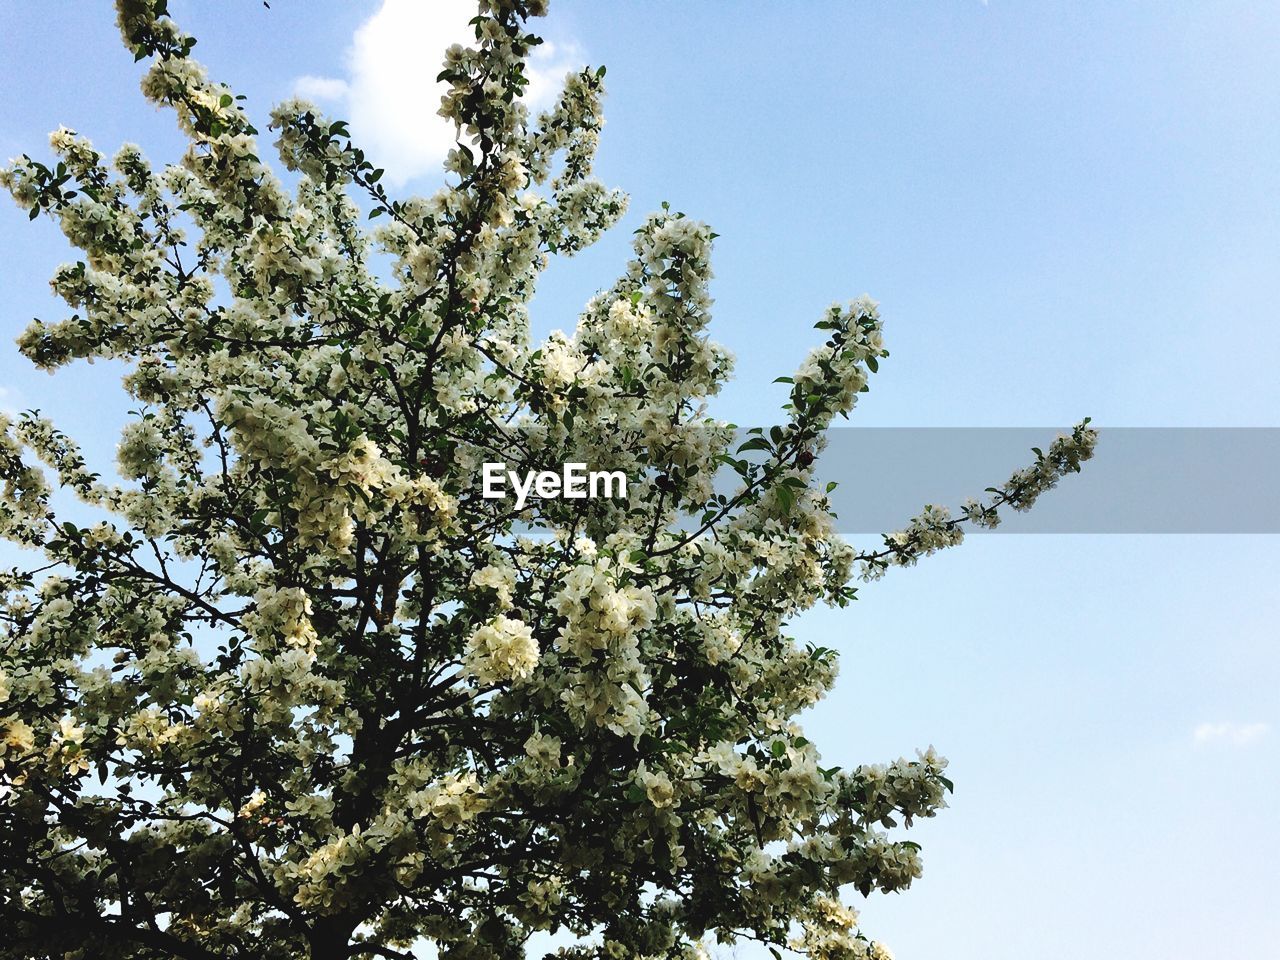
<point x="1235" y="734"/>
<point x="321" y="88"/>
<point x="9" y="401"/>
<point x="390" y="94"/>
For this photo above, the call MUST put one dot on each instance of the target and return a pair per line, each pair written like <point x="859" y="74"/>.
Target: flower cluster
<point x="501" y="651"/>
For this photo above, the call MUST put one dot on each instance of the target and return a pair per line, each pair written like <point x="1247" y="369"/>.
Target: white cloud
<point x="1236" y="734"/>
<point x="390" y="94"/>
<point x="321" y="88"/>
<point x="9" y="401"/>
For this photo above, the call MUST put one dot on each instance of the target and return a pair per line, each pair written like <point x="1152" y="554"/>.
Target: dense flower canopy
<point x="303" y="691"/>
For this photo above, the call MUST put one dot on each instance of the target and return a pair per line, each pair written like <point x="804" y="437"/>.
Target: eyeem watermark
<point x="573" y="482"/>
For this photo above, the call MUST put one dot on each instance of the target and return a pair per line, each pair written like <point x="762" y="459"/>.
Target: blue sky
<point x="1065" y="209"/>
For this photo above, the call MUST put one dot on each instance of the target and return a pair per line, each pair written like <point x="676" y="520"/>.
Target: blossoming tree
<point x="303" y="691"/>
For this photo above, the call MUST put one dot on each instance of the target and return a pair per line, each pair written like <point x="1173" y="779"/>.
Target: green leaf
<point x="785" y="497"/>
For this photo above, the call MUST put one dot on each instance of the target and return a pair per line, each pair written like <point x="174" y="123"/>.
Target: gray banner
<point x="1141" y="479"/>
